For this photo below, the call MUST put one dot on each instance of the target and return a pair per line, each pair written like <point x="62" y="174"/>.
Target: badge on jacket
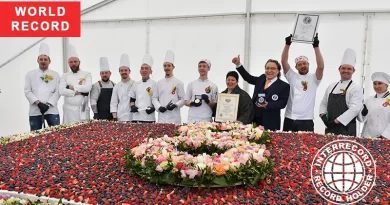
<point x="275" y="97"/>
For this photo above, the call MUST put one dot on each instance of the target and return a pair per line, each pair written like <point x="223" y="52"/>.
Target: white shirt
<point x="377" y="121"/>
<point x="301" y="101"/>
<point x="73" y="104"/>
<point x="203" y="112"/>
<point x="143" y="92"/>
<point x="36" y="88"/>
<point x="169" y="90"/>
<point x="81" y="81"/>
<point x="354" y="98"/>
<point x="120" y="100"/>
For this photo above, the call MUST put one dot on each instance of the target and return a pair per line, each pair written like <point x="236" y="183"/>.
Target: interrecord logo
<point x="343" y="172"/>
<point x="40" y="19"/>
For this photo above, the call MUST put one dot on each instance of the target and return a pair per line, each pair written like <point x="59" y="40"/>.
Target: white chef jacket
<point x="36" y="88"/>
<point x="73" y="110"/>
<point x="120" y="101"/>
<point x="143" y="99"/>
<point x="169" y="90"/>
<point x="300" y="104"/>
<point x="95" y="92"/>
<point x="354" y="98"/>
<point x="377" y="121"/>
<point x="203" y="112"/>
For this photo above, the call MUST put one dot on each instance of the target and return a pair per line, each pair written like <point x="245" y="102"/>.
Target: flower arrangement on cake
<point x="8" y="199"/>
<point x="205" y="155"/>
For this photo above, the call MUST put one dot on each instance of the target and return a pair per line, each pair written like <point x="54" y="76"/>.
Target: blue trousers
<point x="36" y="121"/>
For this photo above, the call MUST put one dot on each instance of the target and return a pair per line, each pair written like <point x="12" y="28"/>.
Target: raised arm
<point x="285" y="65"/>
<point x="244" y="74"/>
<point x="319" y="59"/>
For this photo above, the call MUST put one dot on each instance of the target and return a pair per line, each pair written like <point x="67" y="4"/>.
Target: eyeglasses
<point x="273" y="69"/>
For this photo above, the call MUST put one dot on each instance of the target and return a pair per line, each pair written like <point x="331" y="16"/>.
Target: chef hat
<point x="205" y="61"/>
<point x="349" y="57"/>
<point x="124" y="60"/>
<point x="44" y="49"/>
<point x="381" y="76"/>
<point x="72" y="51"/>
<point x="170" y="57"/>
<point x="148" y="60"/>
<point x="301" y="58"/>
<point x="104" y="64"/>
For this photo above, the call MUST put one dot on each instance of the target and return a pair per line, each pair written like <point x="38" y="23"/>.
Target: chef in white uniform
<point x="41" y="91"/>
<point x="376" y="114"/>
<point x="141" y="94"/>
<point x="75" y="87"/>
<point x="101" y="92"/>
<point x="342" y="101"/>
<point x="168" y="97"/>
<point x="120" y="100"/>
<point x="201" y="95"/>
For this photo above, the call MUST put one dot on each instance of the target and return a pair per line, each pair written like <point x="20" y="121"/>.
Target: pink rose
<point x="179" y="165"/>
<point x="267" y="152"/>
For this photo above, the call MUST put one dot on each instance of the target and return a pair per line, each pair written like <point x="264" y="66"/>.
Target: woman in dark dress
<point x="245" y="106"/>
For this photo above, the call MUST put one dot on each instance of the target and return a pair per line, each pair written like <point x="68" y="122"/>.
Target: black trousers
<point x="298" y="125"/>
<point x="135" y="121"/>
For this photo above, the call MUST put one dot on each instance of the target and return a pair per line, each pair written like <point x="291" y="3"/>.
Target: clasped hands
<point x="149" y="110"/>
<point x="169" y="107"/>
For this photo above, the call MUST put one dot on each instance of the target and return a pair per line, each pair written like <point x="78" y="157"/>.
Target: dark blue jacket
<point x="276" y="95"/>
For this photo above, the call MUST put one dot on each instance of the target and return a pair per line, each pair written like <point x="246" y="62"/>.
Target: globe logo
<point x="343" y="172"/>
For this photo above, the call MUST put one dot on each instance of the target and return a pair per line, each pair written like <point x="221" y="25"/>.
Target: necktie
<point x="267" y="84"/>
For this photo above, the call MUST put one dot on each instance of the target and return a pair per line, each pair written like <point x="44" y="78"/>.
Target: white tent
<point x="218" y="30"/>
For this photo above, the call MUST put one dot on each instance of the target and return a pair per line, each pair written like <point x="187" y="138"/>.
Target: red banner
<point x="40" y="19"/>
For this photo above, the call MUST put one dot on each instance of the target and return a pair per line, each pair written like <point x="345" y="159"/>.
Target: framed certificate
<point x="227" y="107"/>
<point x="305" y="28"/>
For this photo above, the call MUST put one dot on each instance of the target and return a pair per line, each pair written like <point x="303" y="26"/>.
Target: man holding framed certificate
<point x="299" y="113"/>
<point x="305" y="28"/>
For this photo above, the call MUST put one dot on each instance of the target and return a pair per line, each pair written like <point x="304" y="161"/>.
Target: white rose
<point x="201" y="166"/>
